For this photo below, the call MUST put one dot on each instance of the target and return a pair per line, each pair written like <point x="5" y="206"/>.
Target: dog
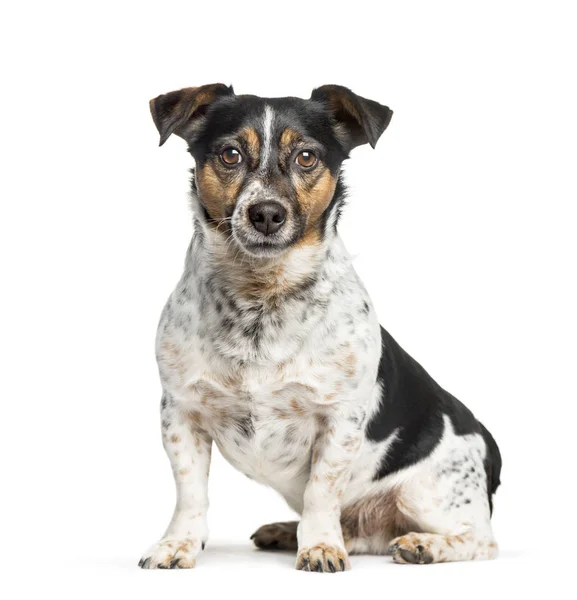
<point x="270" y="347"/>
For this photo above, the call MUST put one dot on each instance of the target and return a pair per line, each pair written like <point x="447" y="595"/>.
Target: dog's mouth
<point x="258" y="244"/>
<point x="266" y="228"/>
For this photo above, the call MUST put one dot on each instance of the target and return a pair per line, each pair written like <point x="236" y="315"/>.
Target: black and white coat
<point x="281" y="362"/>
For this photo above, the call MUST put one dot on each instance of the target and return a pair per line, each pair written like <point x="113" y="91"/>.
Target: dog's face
<point x="267" y="169"/>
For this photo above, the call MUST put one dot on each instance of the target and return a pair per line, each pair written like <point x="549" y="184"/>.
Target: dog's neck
<point x="215" y="257"/>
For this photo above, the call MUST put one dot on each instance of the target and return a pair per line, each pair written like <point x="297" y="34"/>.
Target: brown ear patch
<point x="173" y="112"/>
<point x="359" y="119"/>
<point x="217" y="192"/>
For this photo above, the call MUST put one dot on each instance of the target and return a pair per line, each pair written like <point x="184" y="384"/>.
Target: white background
<point x="462" y="222"/>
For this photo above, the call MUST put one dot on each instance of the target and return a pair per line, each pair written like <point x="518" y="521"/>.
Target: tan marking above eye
<point x="306" y="159"/>
<point x="289" y="137"/>
<point x="231" y="156"/>
<point x="251" y="140"/>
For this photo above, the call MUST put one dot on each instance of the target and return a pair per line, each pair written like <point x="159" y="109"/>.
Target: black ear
<point x="359" y="121"/>
<point x="175" y="112"/>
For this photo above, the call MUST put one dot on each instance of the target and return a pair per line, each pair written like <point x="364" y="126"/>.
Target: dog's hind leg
<point x="447" y="503"/>
<point x="437" y="510"/>
<point x="276" y="536"/>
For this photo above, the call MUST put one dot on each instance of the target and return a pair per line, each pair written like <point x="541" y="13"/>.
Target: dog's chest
<point x="266" y="430"/>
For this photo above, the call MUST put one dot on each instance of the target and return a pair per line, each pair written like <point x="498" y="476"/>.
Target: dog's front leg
<point x="320" y="539"/>
<point x="188" y="447"/>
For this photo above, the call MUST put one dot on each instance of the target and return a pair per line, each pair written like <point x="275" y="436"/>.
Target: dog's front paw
<point x="323" y="558"/>
<point x="172" y="554"/>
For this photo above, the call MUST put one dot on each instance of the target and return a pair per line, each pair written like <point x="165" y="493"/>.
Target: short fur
<point x="270" y="347"/>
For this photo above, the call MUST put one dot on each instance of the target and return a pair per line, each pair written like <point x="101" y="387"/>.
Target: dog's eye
<point x="231" y="156"/>
<point x="306" y="159"/>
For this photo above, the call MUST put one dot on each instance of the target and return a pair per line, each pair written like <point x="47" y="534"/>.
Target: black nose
<point x="267" y="217"/>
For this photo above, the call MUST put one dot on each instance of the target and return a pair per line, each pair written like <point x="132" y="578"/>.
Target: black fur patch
<point x="414" y="403"/>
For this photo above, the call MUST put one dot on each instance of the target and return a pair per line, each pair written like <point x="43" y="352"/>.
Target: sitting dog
<point x="270" y="347"/>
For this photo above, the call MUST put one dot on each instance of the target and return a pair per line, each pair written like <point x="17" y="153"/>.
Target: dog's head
<point x="267" y="169"/>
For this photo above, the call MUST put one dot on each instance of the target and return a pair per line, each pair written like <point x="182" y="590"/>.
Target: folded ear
<point x="360" y="120"/>
<point x="176" y="112"/>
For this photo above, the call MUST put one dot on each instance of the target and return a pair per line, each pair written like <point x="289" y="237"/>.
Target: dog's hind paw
<point x="276" y="536"/>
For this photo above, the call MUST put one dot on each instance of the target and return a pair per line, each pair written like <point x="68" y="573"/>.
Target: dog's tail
<point x="493" y="464"/>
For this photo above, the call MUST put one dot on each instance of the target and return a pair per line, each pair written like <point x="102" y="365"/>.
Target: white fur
<point x="268" y="119"/>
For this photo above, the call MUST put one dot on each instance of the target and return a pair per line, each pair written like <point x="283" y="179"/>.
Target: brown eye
<point x="231" y="156"/>
<point x="306" y="159"/>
